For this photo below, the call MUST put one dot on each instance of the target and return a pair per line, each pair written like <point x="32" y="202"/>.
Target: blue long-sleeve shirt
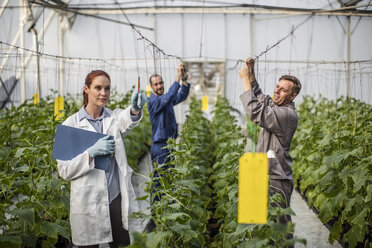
<point x="163" y="120"/>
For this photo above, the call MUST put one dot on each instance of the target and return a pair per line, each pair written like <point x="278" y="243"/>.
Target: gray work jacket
<point x="278" y="124"/>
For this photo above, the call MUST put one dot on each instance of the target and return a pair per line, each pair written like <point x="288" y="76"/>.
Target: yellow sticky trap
<point x="204" y="103"/>
<point x="36" y="98"/>
<point x="253" y="188"/>
<point x="58" y="107"/>
<point x="148" y="90"/>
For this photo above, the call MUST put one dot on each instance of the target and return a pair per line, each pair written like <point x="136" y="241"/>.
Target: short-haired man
<point x="160" y="107"/>
<point x="278" y="119"/>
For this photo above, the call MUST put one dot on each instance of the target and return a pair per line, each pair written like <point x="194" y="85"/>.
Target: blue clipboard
<point x="70" y="142"/>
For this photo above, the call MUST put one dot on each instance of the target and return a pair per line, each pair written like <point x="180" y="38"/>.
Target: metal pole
<point x="10" y="49"/>
<point x="225" y="36"/>
<point x="153" y="49"/>
<point x="348" y="34"/>
<point x="36" y="40"/>
<point x="5" y="3"/>
<point x="22" y="52"/>
<point x="252" y="20"/>
<point x="182" y="35"/>
<point x="60" y="53"/>
<point x="15" y="40"/>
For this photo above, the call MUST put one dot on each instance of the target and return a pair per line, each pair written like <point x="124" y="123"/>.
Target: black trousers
<point x="120" y="236"/>
<point x="285" y="189"/>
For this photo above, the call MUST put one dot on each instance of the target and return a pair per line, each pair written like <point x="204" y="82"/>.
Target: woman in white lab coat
<point x="100" y="200"/>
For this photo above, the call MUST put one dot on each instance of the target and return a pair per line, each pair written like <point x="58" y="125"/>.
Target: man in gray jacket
<point x="278" y="119"/>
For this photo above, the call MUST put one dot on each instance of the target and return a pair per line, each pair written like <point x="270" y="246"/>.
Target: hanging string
<point x="279" y="41"/>
<point x="354" y="82"/>
<point x="360" y="81"/>
<point x="265" y="71"/>
<point x="15" y="73"/>
<point x="160" y="66"/>
<point x="144" y="51"/>
<point x="79" y="73"/>
<point x="142" y="37"/>
<point x="290" y="54"/>
<point x="56" y="76"/>
<point x="154" y="59"/>
<point x="135" y="44"/>
<point x="285" y="37"/>
<point x="68" y="73"/>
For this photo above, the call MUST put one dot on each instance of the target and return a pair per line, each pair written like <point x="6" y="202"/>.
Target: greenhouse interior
<point x="174" y="123"/>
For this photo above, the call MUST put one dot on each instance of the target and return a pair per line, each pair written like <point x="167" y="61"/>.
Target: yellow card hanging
<point x="36" y="98"/>
<point x="253" y="188"/>
<point x="148" y="90"/>
<point x="205" y="103"/>
<point x="58" y="107"/>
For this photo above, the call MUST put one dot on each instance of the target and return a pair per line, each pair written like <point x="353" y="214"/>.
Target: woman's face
<point x="99" y="91"/>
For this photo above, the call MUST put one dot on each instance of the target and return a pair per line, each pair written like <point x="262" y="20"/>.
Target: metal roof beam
<point x="345" y="11"/>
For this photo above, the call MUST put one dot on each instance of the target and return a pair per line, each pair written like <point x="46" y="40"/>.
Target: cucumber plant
<point x="333" y="165"/>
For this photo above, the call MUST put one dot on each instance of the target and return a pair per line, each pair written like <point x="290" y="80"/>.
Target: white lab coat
<point x="89" y="206"/>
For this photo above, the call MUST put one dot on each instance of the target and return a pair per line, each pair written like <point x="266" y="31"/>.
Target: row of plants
<point x="199" y="192"/>
<point x="230" y="146"/>
<point x="332" y="152"/>
<point x="34" y="207"/>
<point x="181" y="215"/>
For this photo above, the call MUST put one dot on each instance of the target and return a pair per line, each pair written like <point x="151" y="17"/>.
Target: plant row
<point x="181" y="215"/>
<point x="333" y="166"/>
<point x="230" y="146"/>
<point x="199" y="191"/>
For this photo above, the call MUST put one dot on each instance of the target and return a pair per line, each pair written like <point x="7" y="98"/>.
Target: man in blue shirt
<point x="160" y="106"/>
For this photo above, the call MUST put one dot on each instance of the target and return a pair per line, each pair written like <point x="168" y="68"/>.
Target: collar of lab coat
<point x="106" y="122"/>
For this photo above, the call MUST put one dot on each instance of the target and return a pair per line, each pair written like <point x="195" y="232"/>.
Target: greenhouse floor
<point x="308" y="225"/>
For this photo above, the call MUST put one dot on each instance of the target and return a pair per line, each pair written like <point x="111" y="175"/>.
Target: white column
<point x="22" y="16"/>
<point x="60" y="53"/>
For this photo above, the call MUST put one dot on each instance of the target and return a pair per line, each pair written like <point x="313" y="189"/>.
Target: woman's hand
<point x="138" y="100"/>
<point x="103" y="146"/>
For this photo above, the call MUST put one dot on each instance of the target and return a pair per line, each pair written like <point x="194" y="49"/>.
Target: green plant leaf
<point x="335" y="232"/>
<point x="154" y="238"/>
<point x="9" y="241"/>
<point x="25" y="215"/>
<point x="360" y="218"/>
<point x="52" y="230"/>
<point x="354" y="235"/>
<point x="174" y="216"/>
<point x="369" y="193"/>
<point x="254" y="243"/>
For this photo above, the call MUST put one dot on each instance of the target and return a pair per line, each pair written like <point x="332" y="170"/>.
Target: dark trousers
<point x="160" y="155"/>
<point x="285" y="189"/>
<point x="120" y="236"/>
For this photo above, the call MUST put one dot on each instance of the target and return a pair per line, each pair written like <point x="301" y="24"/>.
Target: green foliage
<point x="33" y="196"/>
<point x="230" y="145"/>
<point x="333" y="164"/>
<point x="34" y="206"/>
<point x="203" y="186"/>
<point x="253" y="131"/>
<point x="181" y="215"/>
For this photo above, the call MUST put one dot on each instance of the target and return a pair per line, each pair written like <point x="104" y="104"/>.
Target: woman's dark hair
<point x="89" y="79"/>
